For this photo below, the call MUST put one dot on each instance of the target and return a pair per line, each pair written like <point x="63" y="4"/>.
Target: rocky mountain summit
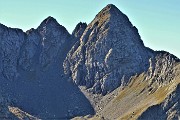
<point x="32" y="71"/>
<point x="109" y="52"/>
<point x="100" y="71"/>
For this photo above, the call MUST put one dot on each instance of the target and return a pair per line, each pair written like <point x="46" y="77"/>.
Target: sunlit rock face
<point x="109" y="52"/>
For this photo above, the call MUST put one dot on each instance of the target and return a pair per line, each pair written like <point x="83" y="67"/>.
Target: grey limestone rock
<point x="79" y="29"/>
<point x="161" y="69"/>
<point x="31" y="66"/>
<point x="109" y="49"/>
<point x="11" y="41"/>
<point x="44" y="64"/>
<point x="53" y="39"/>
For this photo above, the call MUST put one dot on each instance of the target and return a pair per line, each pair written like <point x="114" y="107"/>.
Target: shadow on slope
<point x="47" y="95"/>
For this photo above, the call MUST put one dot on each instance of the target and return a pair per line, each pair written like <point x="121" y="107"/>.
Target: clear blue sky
<point x="158" y="21"/>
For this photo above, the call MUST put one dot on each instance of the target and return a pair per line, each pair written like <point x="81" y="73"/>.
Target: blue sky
<point x="158" y="21"/>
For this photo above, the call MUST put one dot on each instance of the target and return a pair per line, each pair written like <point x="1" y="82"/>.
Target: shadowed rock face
<point x="110" y="50"/>
<point x="5" y="114"/>
<point x="31" y="66"/>
<point x="11" y="41"/>
<point x="79" y="29"/>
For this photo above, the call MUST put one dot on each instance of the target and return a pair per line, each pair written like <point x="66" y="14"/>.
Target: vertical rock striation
<point x="11" y="41"/>
<point x="109" y="51"/>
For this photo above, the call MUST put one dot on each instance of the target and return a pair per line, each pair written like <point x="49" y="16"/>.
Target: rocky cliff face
<point x="39" y="46"/>
<point x="11" y="41"/>
<point x="79" y="29"/>
<point x="102" y="67"/>
<point x="44" y="45"/>
<point x="145" y="90"/>
<point x="31" y="67"/>
<point x="109" y="52"/>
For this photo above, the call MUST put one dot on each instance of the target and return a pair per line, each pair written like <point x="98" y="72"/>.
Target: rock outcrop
<point x="79" y="30"/>
<point x="145" y="90"/>
<point x="5" y="114"/>
<point x="109" y="52"/>
<point x="31" y="66"/>
<point x="44" y="45"/>
<point x="36" y="46"/>
<point x="11" y="41"/>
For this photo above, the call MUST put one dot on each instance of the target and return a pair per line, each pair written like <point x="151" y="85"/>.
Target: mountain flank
<point x="101" y="71"/>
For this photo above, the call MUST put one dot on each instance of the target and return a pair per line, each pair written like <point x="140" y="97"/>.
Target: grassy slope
<point x="138" y="96"/>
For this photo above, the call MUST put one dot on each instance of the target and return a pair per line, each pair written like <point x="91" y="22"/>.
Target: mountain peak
<point x="52" y="25"/>
<point x="111" y="14"/>
<point x="79" y="29"/>
<point x="112" y="41"/>
<point x="50" y="19"/>
<point x="111" y="7"/>
<point x="109" y="10"/>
